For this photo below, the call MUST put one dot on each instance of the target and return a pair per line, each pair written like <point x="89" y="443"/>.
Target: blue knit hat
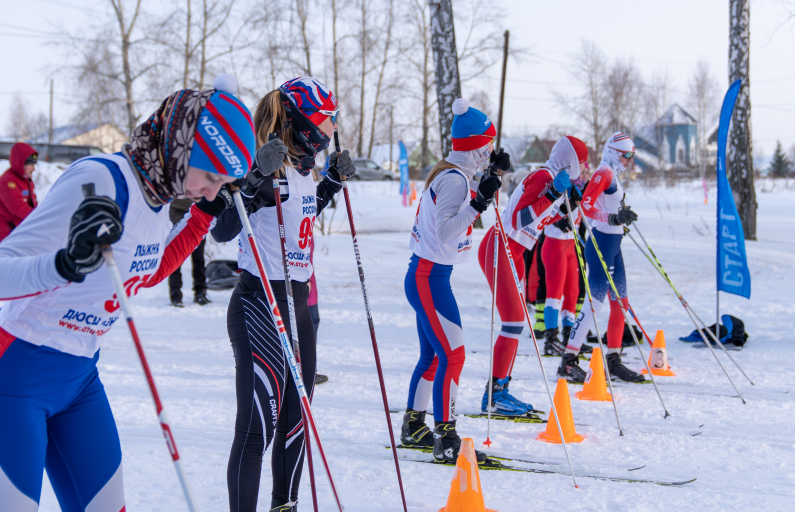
<point x="472" y="129"/>
<point x="224" y="142"/>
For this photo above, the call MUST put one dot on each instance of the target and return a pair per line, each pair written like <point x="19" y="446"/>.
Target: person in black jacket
<point x="178" y="209"/>
<point x="293" y="124"/>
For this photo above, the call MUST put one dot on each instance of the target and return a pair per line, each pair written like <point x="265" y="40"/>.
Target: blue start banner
<point x="403" y="165"/>
<point x="732" y="265"/>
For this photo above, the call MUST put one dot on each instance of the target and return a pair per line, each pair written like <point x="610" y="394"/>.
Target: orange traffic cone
<point x="466" y="495"/>
<point x="658" y="358"/>
<point x="563" y="406"/>
<point x="595" y="387"/>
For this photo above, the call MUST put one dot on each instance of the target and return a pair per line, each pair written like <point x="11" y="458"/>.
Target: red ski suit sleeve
<point x="535" y="199"/>
<point x="181" y="242"/>
<point x="600" y="181"/>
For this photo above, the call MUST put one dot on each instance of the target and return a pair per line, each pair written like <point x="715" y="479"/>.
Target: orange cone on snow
<point x="466" y="495"/>
<point x="563" y="406"/>
<point x="658" y="358"/>
<point x="595" y="387"/>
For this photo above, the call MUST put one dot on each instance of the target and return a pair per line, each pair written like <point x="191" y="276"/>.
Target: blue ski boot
<point x="501" y="401"/>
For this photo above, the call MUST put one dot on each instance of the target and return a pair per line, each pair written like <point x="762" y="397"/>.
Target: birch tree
<point x="739" y="168"/>
<point x="702" y="100"/>
<point x="589" y="108"/>
<point x="448" y="81"/>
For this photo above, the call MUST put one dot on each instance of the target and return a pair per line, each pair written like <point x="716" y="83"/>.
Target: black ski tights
<point x="268" y="407"/>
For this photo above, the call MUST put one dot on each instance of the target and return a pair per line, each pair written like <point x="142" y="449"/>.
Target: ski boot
<point x="291" y="506"/>
<point x="415" y="432"/>
<point x="570" y="370"/>
<point x="618" y="370"/>
<point x="502" y="402"/>
<point x="320" y="378"/>
<point x="200" y="298"/>
<point x="552" y="345"/>
<point x="177" y="303"/>
<point x="446" y="443"/>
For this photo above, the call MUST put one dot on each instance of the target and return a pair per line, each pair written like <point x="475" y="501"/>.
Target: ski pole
<point x="518" y="284"/>
<point x="623" y="311"/>
<point x="288" y="286"/>
<point x="295" y="369"/>
<point x="165" y="424"/>
<point x="690" y="313"/>
<point x="371" y="325"/>
<point x="491" y="334"/>
<point x="665" y="275"/>
<point x="602" y="350"/>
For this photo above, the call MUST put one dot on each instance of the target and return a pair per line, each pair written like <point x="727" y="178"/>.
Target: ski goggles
<point x="628" y="155"/>
<point x="333" y="114"/>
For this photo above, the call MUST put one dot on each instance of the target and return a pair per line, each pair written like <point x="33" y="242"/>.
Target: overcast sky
<point x="673" y="34"/>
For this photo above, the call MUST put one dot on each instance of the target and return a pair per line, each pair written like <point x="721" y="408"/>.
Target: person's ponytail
<point x="271" y="117"/>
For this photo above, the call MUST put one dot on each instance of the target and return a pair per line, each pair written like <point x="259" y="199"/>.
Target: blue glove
<point x="561" y="183"/>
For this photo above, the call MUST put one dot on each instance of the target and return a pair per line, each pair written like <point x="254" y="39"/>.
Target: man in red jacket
<point x="17" y="194"/>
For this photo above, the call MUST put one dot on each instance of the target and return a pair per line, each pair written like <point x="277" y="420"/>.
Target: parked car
<point x="53" y="153"/>
<point x="366" y="169"/>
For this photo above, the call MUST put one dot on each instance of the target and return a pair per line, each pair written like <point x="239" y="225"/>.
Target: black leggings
<point x="268" y="407"/>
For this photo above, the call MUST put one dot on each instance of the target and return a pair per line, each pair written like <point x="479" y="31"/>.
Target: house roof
<point x="62" y="133"/>
<point x="676" y="115"/>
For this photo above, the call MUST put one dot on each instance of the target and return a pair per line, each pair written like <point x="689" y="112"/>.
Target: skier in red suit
<point x="535" y="204"/>
<point x="17" y="192"/>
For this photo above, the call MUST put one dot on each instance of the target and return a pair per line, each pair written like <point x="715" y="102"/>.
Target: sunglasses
<point x="628" y="155"/>
<point x="333" y="114"/>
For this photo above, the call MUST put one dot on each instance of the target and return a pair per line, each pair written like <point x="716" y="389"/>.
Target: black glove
<point x="575" y="196"/>
<point x="499" y="160"/>
<point x="486" y="190"/>
<point x="96" y="222"/>
<point x="624" y="216"/>
<point x="340" y="165"/>
<point x="563" y="224"/>
<point x="216" y="207"/>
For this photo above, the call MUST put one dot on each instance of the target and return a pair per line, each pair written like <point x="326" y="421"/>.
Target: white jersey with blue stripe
<point x="425" y="242"/>
<point x="46" y="310"/>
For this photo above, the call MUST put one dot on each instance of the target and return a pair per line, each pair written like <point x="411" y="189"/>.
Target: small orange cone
<point x="563" y="406"/>
<point x="595" y="387"/>
<point x="658" y="358"/>
<point x="466" y="495"/>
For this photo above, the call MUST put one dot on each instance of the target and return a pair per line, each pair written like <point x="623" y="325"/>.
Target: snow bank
<point x="743" y="458"/>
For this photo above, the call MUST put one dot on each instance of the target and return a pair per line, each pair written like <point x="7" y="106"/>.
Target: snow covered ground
<point x="743" y="459"/>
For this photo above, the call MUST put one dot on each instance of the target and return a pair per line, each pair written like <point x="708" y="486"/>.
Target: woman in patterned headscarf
<point x="293" y="123"/>
<point x="55" y="414"/>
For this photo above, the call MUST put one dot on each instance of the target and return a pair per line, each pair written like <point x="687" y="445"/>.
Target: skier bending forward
<point x="303" y="112"/>
<point x="603" y="203"/>
<point x="441" y="238"/>
<point x="533" y="205"/>
<point x="54" y="414"/>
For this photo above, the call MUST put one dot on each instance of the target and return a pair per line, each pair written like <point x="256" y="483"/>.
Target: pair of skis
<point x="502" y="463"/>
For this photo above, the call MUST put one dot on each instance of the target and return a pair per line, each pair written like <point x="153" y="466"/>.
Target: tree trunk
<point x="363" y="41"/>
<point x="448" y="82"/>
<point x="188" y="52"/>
<point x="203" y="60"/>
<point x="124" y="33"/>
<point x="380" y="79"/>
<point x="740" y="165"/>
<point x="302" y="17"/>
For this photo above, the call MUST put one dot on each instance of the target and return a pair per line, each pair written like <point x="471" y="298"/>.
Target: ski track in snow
<point x="743" y="458"/>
